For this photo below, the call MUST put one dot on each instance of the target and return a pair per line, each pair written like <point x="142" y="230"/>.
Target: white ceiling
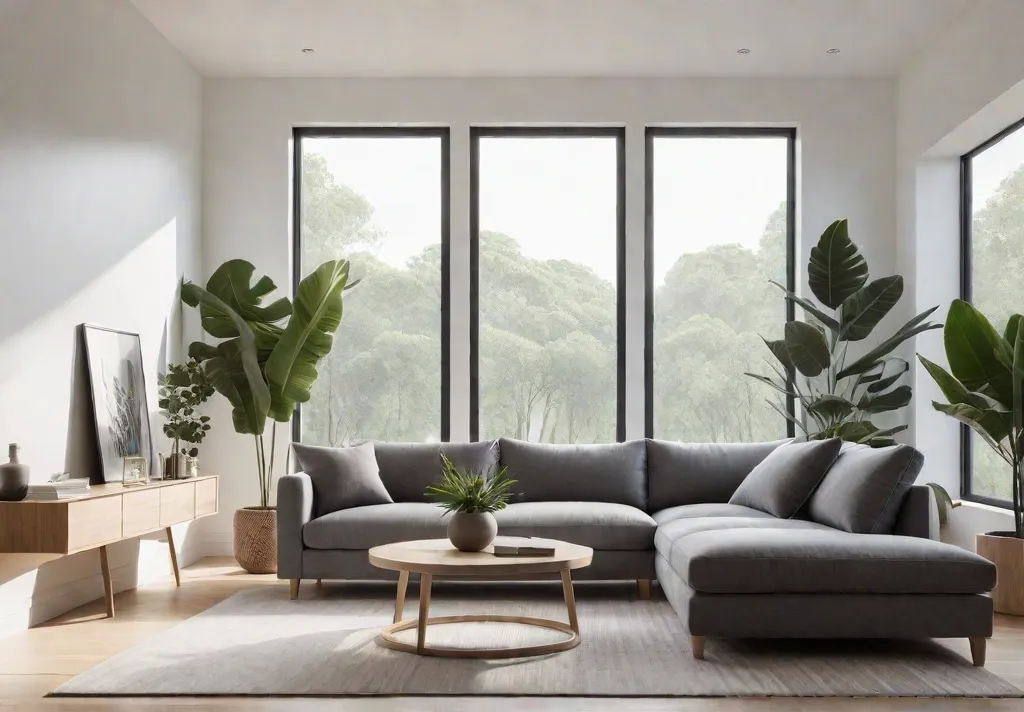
<point x="457" y="38"/>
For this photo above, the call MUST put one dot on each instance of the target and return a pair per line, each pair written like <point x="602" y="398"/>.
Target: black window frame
<point x="444" y="134"/>
<point x="966" y="293"/>
<point x="475" y="134"/>
<point x="652" y="132"/>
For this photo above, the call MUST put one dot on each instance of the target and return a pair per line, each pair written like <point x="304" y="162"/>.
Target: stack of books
<point x="54" y="491"/>
<point x="522" y="546"/>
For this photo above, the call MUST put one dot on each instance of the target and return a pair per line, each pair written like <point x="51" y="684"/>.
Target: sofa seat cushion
<point x="698" y="511"/>
<point x="362" y="528"/>
<point x="599" y="525"/>
<point x="803" y="557"/>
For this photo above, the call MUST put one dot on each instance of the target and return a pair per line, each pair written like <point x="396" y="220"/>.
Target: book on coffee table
<point x="522" y="546"/>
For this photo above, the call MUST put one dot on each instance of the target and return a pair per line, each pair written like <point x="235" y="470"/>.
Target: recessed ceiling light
<point x="310" y="50"/>
<point x="834" y="50"/>
<point x="743" y="50"/>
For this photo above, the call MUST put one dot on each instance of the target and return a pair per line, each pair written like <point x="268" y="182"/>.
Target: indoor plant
<point x="984" y="391"/>
<point x="264" y="364"/>
<point x="838" y="398"/>
<point x="471" y="499"/>
<point x="183" y="388"/>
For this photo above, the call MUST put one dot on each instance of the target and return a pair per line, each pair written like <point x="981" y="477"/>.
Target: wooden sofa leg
<point x="294" y="588"/>
<point x="319" y="583"/>
<point x="644" y="588"/>
<point x="978" y="651"/>
<point x="697" y="645"/>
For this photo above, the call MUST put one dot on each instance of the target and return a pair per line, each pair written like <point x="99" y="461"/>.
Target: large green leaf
<point x="1012" y="326"/>
<point x="234" y="369"/>
<point x="807" y="348"/>
<point x="872" y="358"/>
<point x="882" y="383"/>
<point x="971" y="344"/>
<point x="769" y="382"/>
<point x="836" y="268"/>
<point x="291" y="367"/>
<point x="808" y="306"/>
<point x="882" y="402"/>
<point x="992" y="425"/>
<point x="863" y="309"/>
<point x="232" y="283"/>
<point x="831" y="407"/>
<point x="779" y="351"/>
<point x="991" y="418"/>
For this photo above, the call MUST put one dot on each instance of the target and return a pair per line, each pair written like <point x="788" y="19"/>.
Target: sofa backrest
<point x="407" y="468"/>
<point x="695" y="473"/>
<point x="577" y="473"/>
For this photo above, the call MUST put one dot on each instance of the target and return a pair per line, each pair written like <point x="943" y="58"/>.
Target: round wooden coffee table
<point x="437" y="557"/>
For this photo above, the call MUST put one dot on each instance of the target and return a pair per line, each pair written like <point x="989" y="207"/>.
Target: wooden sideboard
<point x="108" y="514"/>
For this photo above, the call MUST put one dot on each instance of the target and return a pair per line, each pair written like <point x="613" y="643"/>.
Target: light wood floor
<point x="34" y="662"/>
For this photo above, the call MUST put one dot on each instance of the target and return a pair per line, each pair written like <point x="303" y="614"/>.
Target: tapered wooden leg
<point x="294" y="588"/>
<point x="644" y="587"/>
<point x="174" y="557"/>
<point x="319" y="583"/>
<point x="403" y="583"/>
<point x="108" y="586"/>
<point x="978" y="651"/>
<point x="697" y="645"/>
<point x="421" y="624"/>
<point x="570" y="600"/>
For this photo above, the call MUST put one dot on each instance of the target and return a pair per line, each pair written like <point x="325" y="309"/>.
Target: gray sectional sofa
<point x="859" y="559"/>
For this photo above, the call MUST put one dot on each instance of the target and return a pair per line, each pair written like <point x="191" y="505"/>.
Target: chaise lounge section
<point x="859" y="559"/>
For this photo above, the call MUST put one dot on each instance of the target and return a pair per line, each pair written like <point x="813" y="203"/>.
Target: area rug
<point x="258" y="642"/>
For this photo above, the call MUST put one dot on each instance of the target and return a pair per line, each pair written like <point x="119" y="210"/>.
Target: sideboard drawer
<point x="140" y="512"/>
<point x="206" y="497"/>
<point x="177" y="503"/>
<point x="92" y="522"/>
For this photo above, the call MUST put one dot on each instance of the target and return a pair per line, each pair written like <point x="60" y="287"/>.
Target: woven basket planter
<point x="256" y="539"/>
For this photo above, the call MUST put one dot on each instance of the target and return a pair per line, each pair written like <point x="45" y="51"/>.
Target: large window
<point x="992" y="221"/>
<point x="547" y="228"/>
<point x="378" y="197"/>
<point x="719" y="227"/>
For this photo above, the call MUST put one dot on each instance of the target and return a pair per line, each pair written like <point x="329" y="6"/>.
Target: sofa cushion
<point x="576" y="473"/>
<point x="690" y="473"/>
<point x="804" y="558"/>
<point x="599" y="525"/>
<point x="782" y="482"/>
<point x="342" y="477"/>
<point x="864" y="490"/>
<point x="364" y="527"/>
<point x="407" y="468"/>
<point x="694" y="511"/>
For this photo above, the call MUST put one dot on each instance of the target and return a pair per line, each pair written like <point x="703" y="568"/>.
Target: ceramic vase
<point x="13" y="478"/>
<point x="472" y="531"/>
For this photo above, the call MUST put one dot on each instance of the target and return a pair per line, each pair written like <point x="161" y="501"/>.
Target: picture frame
<point x="117" y="386"/>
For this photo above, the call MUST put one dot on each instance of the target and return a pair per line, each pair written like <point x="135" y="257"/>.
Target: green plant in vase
<point x="183" y="388"/>
<point x="264" y="361"/>
<point x="839" y="395"/>
<point x="471" y="498"/>
<point x="984" y="388"/>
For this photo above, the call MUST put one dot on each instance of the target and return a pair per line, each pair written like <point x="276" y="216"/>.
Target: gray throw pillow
<point x="786" y="478"/>
<point x="343" y="477"/>
<point x="864" y="490"/>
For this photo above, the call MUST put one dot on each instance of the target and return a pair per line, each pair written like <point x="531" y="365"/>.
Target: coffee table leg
<point x="403" y="582"/>
<point x="421" y="624"/>
<point x="570" y="600"/>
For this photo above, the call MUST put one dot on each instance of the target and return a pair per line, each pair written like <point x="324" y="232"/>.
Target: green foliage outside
<point x="547" y="337"/>
<point x="998" y="291"/>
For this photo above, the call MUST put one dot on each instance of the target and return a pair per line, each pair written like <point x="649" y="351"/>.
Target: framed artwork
<point x="118" y="387"/>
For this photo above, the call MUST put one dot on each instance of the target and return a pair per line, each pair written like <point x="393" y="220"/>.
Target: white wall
<point x="967" y="86"/>
<point x="847" y="145"/>
<point x="100" y="130"/>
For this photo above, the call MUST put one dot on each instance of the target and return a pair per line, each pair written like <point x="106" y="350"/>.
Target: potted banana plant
<point x="264" y="362"/>
<point x="985" y="390"/>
